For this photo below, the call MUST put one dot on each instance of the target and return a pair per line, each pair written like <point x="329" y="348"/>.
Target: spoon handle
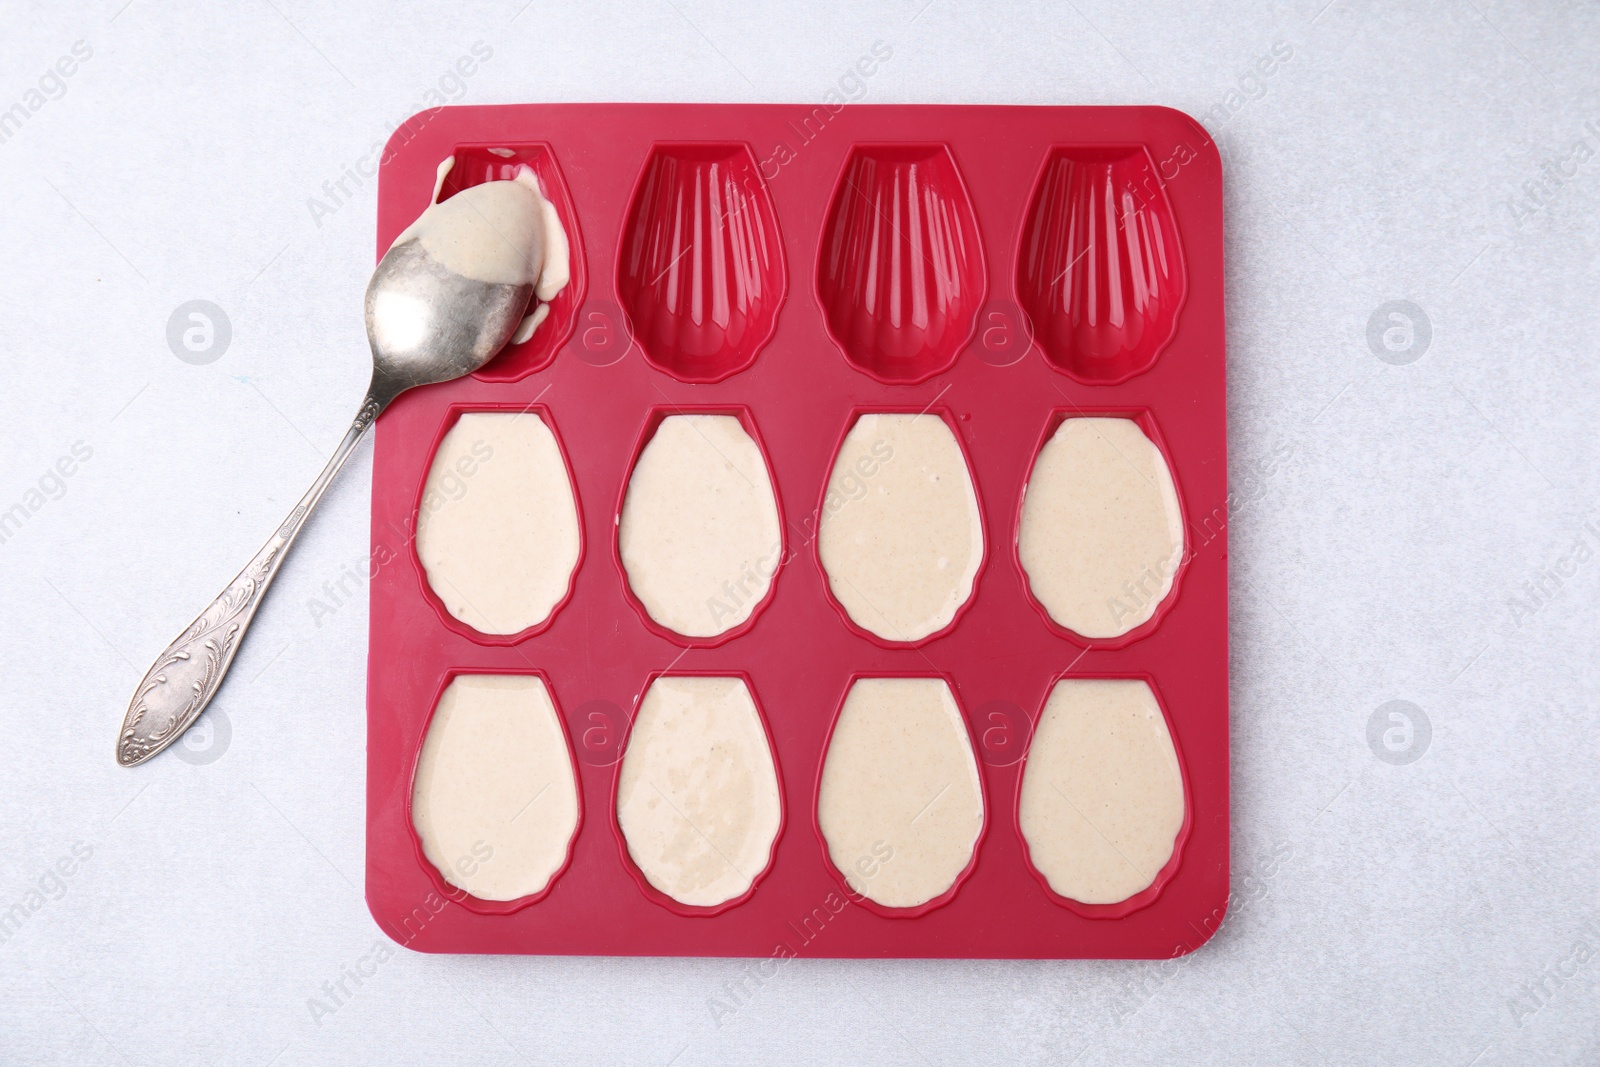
<point x="188" y="674"/>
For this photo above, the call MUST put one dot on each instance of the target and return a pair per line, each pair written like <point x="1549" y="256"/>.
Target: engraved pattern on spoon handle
<point x="189" y="672"/>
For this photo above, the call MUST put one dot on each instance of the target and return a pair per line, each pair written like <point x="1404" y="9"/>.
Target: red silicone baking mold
<point x="1001" y="267"/>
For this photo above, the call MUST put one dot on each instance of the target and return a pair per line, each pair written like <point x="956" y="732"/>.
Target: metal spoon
<point x="426" y="324"/>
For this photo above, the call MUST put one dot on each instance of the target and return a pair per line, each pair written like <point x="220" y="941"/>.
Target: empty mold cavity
<point x="900" y="806"/>
<point x="476" y="164"/>
<point x="1100" y="531"/>
<point x="498" y="535"/>
<point x="1100" y="270"/>
<point x="494" y="801"/>
<point x="698" y="799"/>
<point x="1102" y="807"/>
<point x="900" y="274"/>
<point x="699" y="535"/>
<point x="700" y="263"/>
<point x="900" y="535"/>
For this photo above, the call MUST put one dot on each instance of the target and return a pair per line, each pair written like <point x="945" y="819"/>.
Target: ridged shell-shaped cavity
<point x="700" y="271"/>
<point x="1102" y="792"/>
<point x="699" y="534"/>
<point x="497" y="528"/>
<point x="1100" y="270"/>
<point x="698" y="799"/>
<point x="1101" y="533"/>
<point x="900" y="804"/>
<point x="901" y="534"/>
<point x="476" y="165"/>
<point x="900" y="274"/>
<point x="495" y="799"/>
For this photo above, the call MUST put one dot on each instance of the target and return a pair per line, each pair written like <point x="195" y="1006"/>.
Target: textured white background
<point x="1408" y="906"/>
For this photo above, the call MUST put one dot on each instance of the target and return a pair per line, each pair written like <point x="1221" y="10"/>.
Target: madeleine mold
<point x="900" y="807"/>
<point x="700" y="264"/>
<point x="1102" y="807"/>
<point x="899" y="529"/>
<point x="699" y="531"/>
<point x="494" y="800"/>
<point x="900" y="274"/>
<point x="884" y="616"/>
<point x="698" y="802"/>
<point x="1100" y="271"/>
<point x="498" y="531"/>
<point x="1100" y="535"/>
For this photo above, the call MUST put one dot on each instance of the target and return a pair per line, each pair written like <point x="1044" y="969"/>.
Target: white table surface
<point x="1438" y="911"/>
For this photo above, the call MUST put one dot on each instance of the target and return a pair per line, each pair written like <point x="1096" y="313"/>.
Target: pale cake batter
<point x="1102" y="795"/>
<point x="497" y="531"/>
<point x="901" y="805"/>
<point x="495" y="800"/>
<point x="504" y="232"/>
<point x="699" y="532"/>
<point x="1101" y="535"/>
<point x="900" y="536"/>
<point x="698" y="799"/>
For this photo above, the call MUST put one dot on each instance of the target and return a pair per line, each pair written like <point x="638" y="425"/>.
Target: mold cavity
<point x="901" y="536"/>
<point x="495" y="800"/>
<point x="497" y="529"/>
<point x="900" y="274"/>
<point x="1102" y="795"/>
<point x="699" y="534"/>
<point x="700" y="270"/>
<point x="1101" y="534"/>
<point x="532" y="351"/>
<point x="697" y="797"/>
<point x="1100" y="271"/>
<point x="900" y="804"/>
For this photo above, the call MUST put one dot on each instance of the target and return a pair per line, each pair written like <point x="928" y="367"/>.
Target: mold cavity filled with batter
<point x="495" y="800"/>
<point x="900" y="803"/>
<point x="699" y="534"/>
<point x="497" y="530"/>
<point x="698" y="801"/>
<point x="1102" y="794"/>
<point x="1101" y="534"/>
<point x="901" y="537"/>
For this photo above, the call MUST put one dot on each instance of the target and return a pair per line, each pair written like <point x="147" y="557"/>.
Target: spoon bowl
<point x="428" y="324"/>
